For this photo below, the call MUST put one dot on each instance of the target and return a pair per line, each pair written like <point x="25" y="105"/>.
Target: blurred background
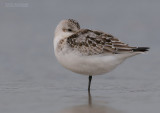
<point x="31" y="79"/>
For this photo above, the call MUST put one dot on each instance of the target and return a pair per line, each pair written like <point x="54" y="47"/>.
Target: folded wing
<point x="89" y="42"/>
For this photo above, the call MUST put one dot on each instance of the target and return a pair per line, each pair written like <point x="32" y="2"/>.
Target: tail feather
<point x="141" y="49"/>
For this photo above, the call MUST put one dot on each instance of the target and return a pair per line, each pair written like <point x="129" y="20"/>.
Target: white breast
<point x="88" y="65"/>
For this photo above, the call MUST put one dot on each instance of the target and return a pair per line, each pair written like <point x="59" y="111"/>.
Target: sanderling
<point x="89" y="52"/>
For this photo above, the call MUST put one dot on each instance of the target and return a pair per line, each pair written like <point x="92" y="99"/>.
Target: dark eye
<point x="69" y="30"/>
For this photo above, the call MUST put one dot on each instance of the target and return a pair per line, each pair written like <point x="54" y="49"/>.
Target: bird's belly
<point x="89" y="65"/>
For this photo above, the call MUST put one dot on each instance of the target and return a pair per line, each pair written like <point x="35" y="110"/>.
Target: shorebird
<point x="89" y="52"/>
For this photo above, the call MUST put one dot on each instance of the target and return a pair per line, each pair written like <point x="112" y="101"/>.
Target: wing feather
<point x="90" y="42"/>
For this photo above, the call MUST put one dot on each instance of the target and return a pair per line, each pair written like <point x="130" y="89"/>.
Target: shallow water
<point x="32" y="81"/>
<point x="109" y="95"/>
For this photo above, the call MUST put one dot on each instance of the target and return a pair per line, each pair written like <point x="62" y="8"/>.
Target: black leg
<point x="89" y="83"/>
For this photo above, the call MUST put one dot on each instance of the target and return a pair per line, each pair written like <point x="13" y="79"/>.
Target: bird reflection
<point x="89" y="98"/>
<point x="90" y="108"/>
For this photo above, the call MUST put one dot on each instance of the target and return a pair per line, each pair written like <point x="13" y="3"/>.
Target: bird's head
<point x="67" y="27"/>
